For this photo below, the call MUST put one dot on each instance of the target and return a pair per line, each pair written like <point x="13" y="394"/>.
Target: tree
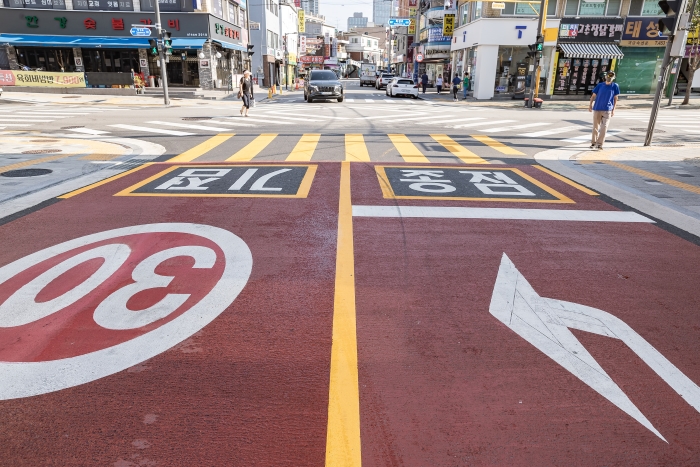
<point x="694" y="56"/>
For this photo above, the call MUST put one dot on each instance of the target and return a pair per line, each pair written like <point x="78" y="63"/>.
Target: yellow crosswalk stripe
<point x="253" y="148"/>
<point x="200" y="149"/>
<point x="497" y="145"/>
<point x="464" y="154"/>
<point x="407" y="149"/>
<point x="355" y="148"/>
<point x="305" y="148"/>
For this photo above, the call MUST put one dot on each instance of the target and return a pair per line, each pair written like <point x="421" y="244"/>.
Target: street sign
<point x="140" y="32"/>
<point x="399" y="22"/>
<point x="419" y="57"/>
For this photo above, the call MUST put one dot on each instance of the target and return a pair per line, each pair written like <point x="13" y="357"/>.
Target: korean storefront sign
<point x="642" y="31"/>
<point x="41" y="79"/>
<point x="311" y="59"/>
<point x="434" y="35"/>
<point x="590" y="30"/>
<point x="225" y="31"/>
<point x="302" y="21"/>
<point x="448" y="24"/>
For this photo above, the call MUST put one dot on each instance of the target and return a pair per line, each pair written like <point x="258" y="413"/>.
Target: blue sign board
<point x="399" y="22"/>
<point x="141" y="32"/>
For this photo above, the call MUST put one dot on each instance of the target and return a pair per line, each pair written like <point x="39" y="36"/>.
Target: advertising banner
<point x="302" y="21"/>
<point x="412" y="26"/>
<point x="642" y="31"/>
<point x="42" y="79"/>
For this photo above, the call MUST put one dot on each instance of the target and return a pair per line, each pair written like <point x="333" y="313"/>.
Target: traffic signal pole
<point x="161" y="56"/>
<point x="536" y="65"/>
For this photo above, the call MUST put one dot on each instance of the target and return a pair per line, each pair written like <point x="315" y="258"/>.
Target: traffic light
<point x="167" y="43"/>
<point x="671" y="9"/>
<point x="250" y="50"/>
<point x="533" y="50"/>
<point x="153" y="44"/>
<point x="540" y="43"/>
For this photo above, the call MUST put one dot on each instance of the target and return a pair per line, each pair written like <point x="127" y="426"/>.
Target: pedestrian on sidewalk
<point x="465" y="83"/>
<point x="246" y="92"/>
<point x="455" y="87"/>
<point x="438" y="84"/>
<point x="424" y="81"/>
<point x="605" y="98"/>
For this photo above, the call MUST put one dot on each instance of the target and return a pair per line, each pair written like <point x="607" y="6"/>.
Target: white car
<point x="402" y="87"/>
<point x="383" y="80"/>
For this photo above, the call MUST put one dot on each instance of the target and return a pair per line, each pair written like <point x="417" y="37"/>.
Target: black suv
<point x="323" y="84"/>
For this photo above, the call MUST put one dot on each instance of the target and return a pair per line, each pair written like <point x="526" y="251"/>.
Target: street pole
<point x="674" y="78"/>
<point x="535" y="69"/>
<point x="391" y="39"/>
<point x="161" y="56"/>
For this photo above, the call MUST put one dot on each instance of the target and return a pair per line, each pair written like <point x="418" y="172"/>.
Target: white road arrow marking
<point x="545" y="323"/>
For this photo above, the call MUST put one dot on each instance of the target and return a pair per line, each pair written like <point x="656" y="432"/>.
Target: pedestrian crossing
<point x="353" y="147"/>
<point x="686" y="121"/>
<point x="18" y="117"/>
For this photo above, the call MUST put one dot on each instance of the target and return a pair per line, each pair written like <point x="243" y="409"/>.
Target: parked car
<point x="368" y="79"/>
<point x="383" y="80"/>
<point x="323" y="84"/>
<point x="402" y="87"/>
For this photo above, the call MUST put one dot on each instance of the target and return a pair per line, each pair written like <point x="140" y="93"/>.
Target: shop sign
<point x="448" y="24"/>
<point x="412" y="2"/>
<point x="302" y="45"/>
<point x="99" y="23"/>
<point x="227" y="30"/>
<point x="292" y="59"/>
<point x="311" y="59"/>
<point x="412" y="12"/>
<point x="301" y="24"/>
<point x="412" y="26"/>
<point x="254" y="26"/>
<point x="44" y="79"/>
<point x="642" y="31"/>
<point x="498" y="6"/>
<point x="590" y="30"/>
<point x="434" y="35"/>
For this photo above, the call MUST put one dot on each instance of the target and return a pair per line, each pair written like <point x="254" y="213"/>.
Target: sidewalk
<point x="662" y="181"/>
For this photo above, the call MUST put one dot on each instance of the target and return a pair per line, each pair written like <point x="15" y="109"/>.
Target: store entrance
<point x="182" y="68"/>
<point x="41" y="58"/>
<point x="578" y="76"/>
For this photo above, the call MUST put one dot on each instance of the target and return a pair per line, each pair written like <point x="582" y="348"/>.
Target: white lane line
<point x="515" y="127"/>
<point x="278" y="114"/>
<point x="152" y="130"/>
<point x="284" y="113"/>
<point x="16" y="124"/>
<point x="579" y="139"/>
<point x="553" y="131"/>
<point x="29" y="115"/>
<point x="232" y="123"/>
<point x="189" y="126"/>
<point x="350" y="100"/>
<point x="89" y="131"/>
<point x="482" y="123"/>
<point x="261" y="120"/>
<point x="454" y="212"/>
<point x="369" y="100"/>
<point x="19" y="119"/>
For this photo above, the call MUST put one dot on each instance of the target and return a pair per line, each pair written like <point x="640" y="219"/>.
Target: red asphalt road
<point x="442" y="381"/>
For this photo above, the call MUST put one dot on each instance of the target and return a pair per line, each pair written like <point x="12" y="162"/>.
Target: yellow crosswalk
<point x="356" y="149"/>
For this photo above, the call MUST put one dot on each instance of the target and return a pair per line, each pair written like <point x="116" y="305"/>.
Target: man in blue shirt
<point x="605" y="98"/>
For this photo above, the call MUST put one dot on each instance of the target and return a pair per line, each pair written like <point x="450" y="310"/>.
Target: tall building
<point x="310" y="6"/>
<point x="357" y="21"/>
<point x="383" y="10"/>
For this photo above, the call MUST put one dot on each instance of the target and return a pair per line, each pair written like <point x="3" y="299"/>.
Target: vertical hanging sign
<point x="448" y="24"/>
<point x="302" y="21"/>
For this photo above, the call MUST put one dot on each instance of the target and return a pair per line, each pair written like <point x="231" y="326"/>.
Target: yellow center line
<point x="407" y="149"/>
<point x="343" y="436"/>
<point x="658" y="178"/>
<point x="253" y="148"/>
<point x="304" y="150"/>
<point x="200" y="149"/>
<point x="462" y="153"/>
<point x="497" y="145"/>
<point x="355" y="148"/>
<point x="41" y="160"/>
<point x="588" y="191"/>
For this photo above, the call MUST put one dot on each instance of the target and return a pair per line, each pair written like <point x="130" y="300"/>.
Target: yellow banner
<point x="411" y="12"/>
<point x="42" y="79"/>
<point x="412" y="27"/>
<point x="553" y="77"/>
<point x="448" y="25"/>
<point x="302" y="21"/>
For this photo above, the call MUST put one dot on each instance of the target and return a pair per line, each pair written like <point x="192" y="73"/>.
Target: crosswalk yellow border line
<point x="343" y="448"/>
<point x="459" y="151"/>
<point x="197" y="151"/>
<point x="253" y="148"/>
<point x="304" y="150"/>
<point x="407" y="149"/>
<point x="104" y="182"/>
<point x="657" y="177"/>
<point x="567" y="181"/>
<point x="355" y="148"/>
<point x="497" y="145"/>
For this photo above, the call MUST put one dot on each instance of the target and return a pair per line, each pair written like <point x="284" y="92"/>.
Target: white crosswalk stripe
<point x="151" y="130"/>
<point x="189" y="126"/>
<point x="587" y="136"/>
<point x="514" y="127"/>
<point x="553" y="131"/>
<point x="89" y="131"/>
<point x="467" y="125"/>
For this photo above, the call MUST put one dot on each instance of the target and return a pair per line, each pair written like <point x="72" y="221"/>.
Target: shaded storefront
<point x="643" y="48"/>
<point x="206" y="50"/>
<point x="587" y="48"/>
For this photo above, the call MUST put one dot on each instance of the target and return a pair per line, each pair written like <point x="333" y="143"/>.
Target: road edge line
<point x="343" y="448"/>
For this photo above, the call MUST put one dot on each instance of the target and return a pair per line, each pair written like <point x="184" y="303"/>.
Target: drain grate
<point x="41" y="151"/>
<point x="25" y="173"/>
<point x="196" y="118"/>
<point x="644" y="130"/>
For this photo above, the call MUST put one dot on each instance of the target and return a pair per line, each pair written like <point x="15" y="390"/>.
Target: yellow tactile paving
<point x="407" y="149"/>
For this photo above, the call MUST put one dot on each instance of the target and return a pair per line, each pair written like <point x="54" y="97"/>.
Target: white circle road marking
<point x="24" y="379"/>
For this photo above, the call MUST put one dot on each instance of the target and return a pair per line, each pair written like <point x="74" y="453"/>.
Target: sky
<point x="337" y="12"/>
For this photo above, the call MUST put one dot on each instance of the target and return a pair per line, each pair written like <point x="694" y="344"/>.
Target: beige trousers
<point x="601" y="119"/>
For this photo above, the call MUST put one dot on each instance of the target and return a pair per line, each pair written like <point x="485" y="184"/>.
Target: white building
<point x="268" y="41"/>
<point x="363" y="48"/>
<point x="289" y="24"/>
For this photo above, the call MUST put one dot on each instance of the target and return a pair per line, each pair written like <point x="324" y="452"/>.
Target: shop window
<point x="592" y="8"/>
<point x="613" y="8"/>
<point x="111" y="61"/>
<point x="477" y="8"/>
<point x="645" y="8"/>
<point x="233" y="15"/>
<point x="272" y="39"/>
<point x="163" y="5"/>
<point x="47" y="59"/>
<point x="38" y="4"/>
<point x="525" y="9"/>
<point x="104" y="5"/>
<point x="216" y="8"/>
<point x="463" y="14"/>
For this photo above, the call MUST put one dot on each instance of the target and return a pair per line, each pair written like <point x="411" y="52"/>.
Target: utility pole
<point x="535" y="76"/>
<point x="674" y="10"/>
<point x="161" y="56"/>
<point x="674" y="79"/>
